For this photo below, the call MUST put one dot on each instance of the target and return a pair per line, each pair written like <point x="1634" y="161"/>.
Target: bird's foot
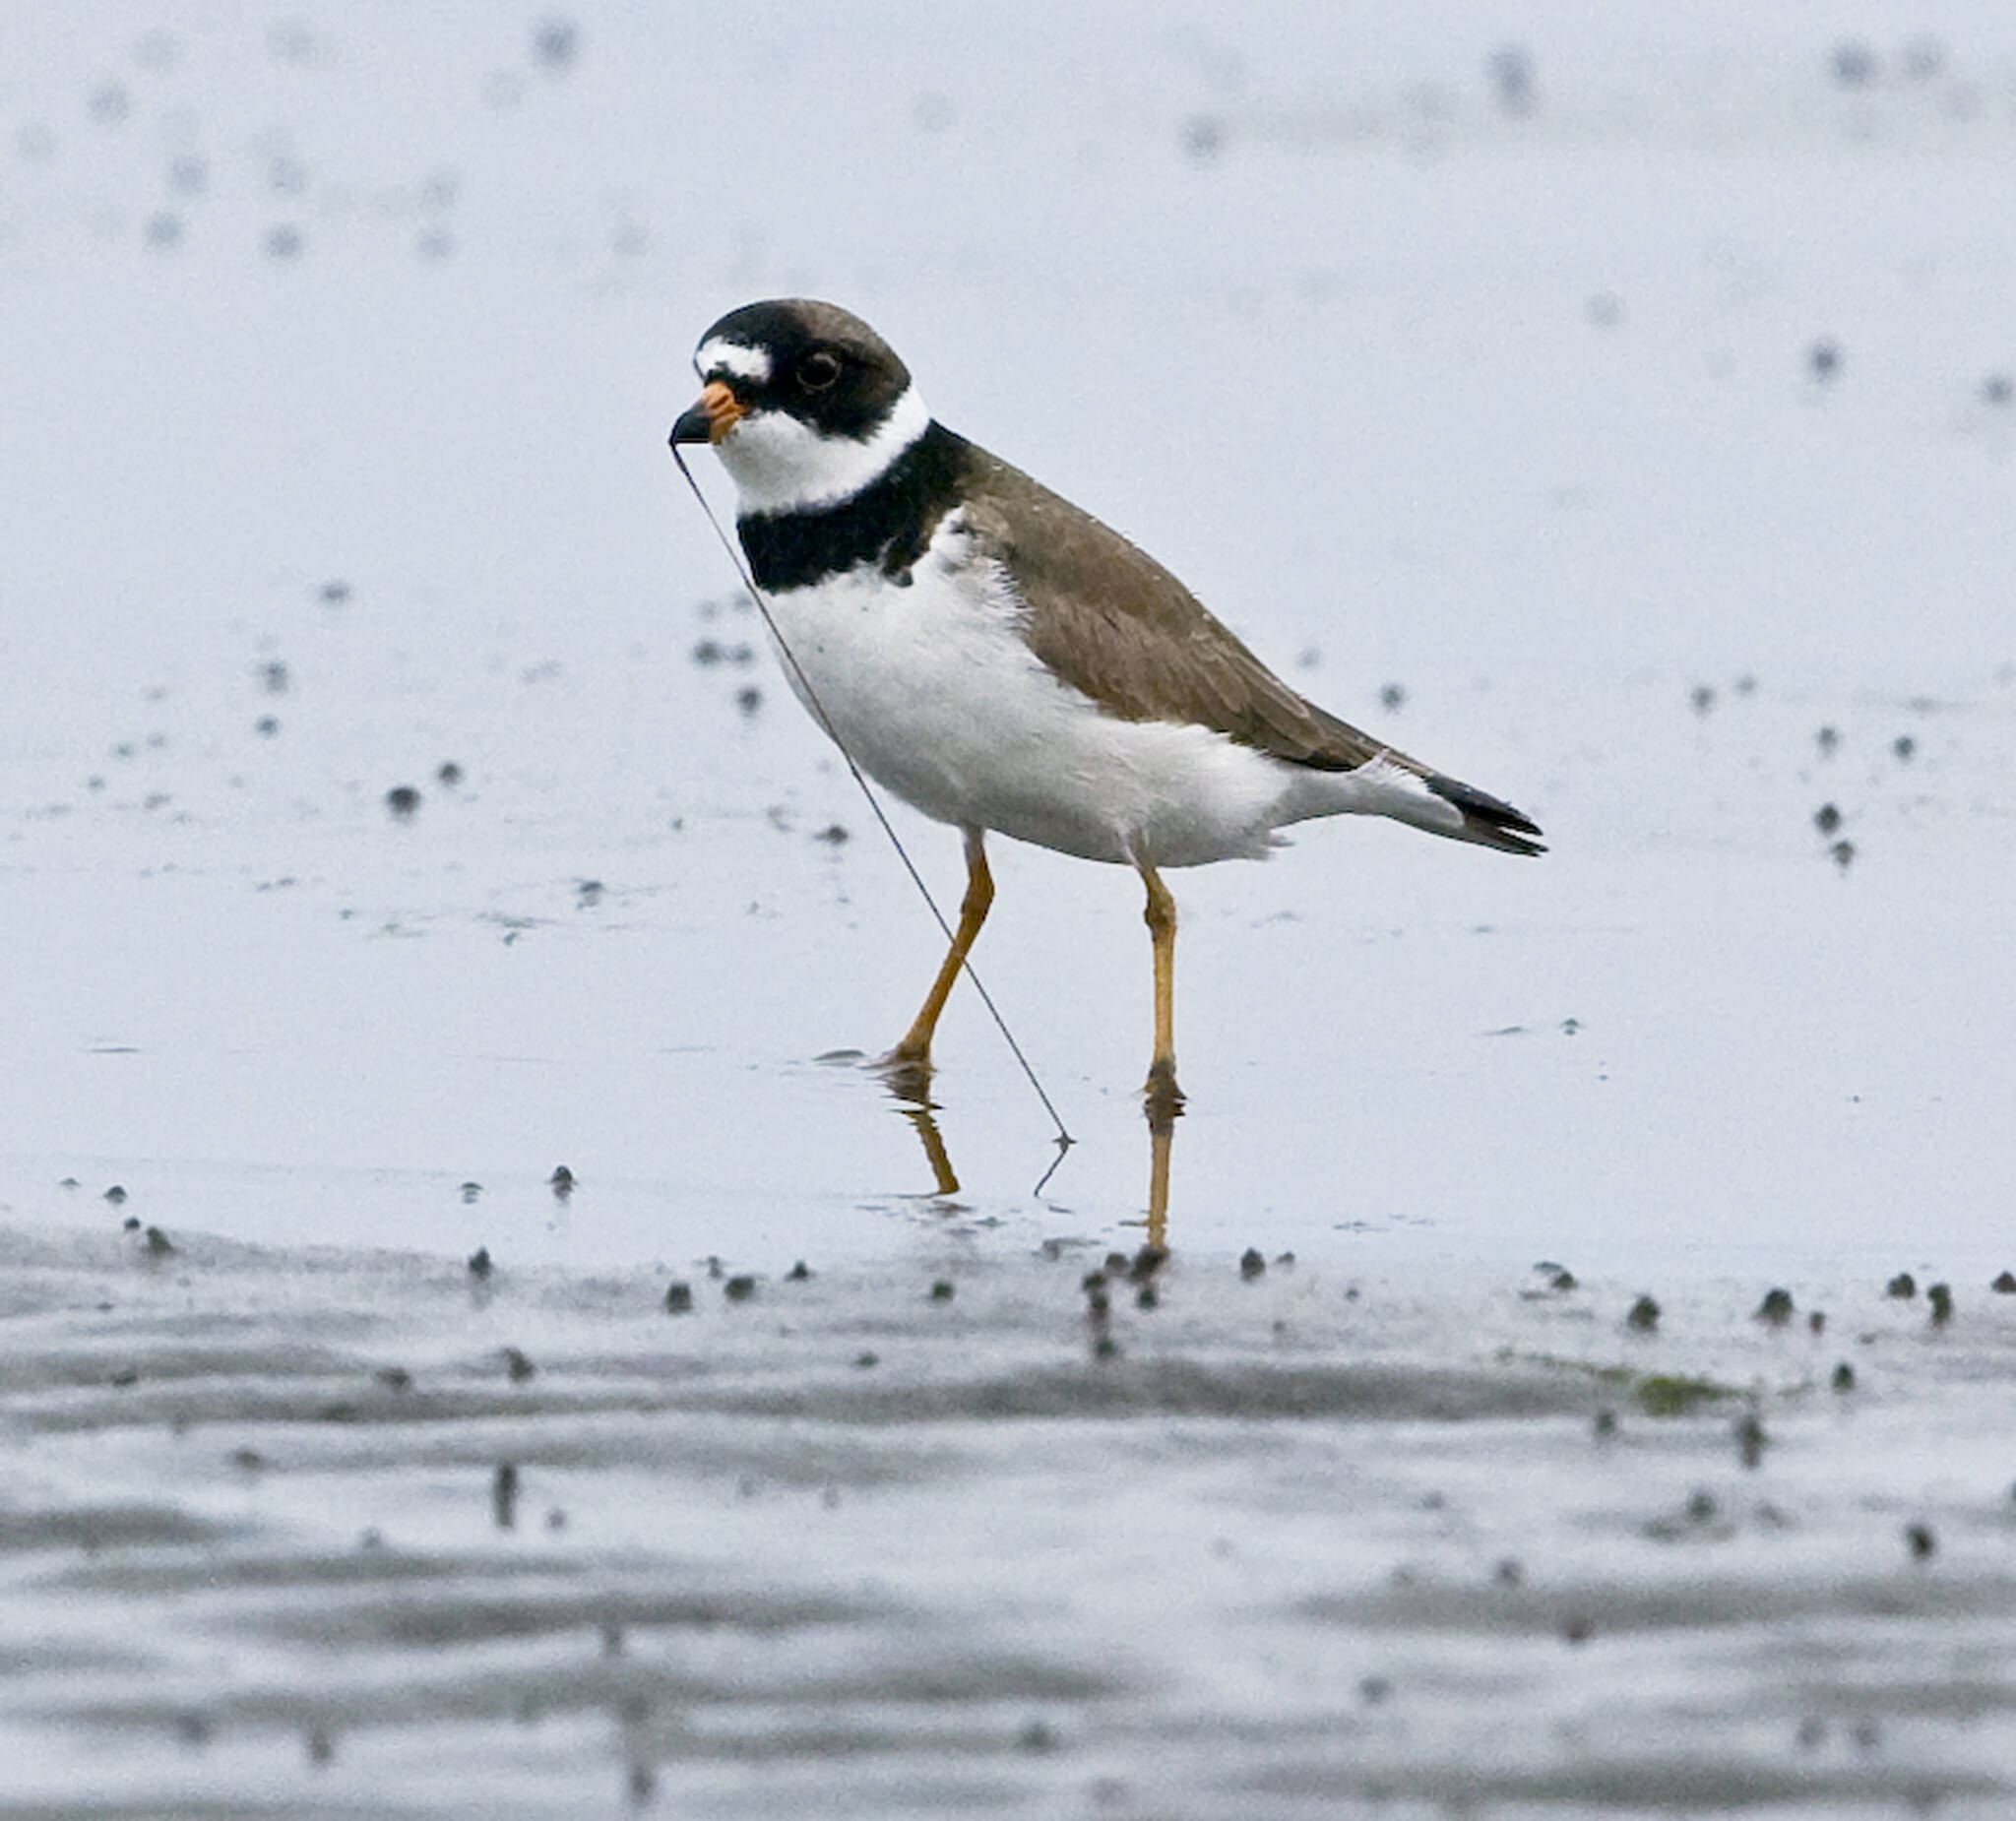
<point x="1160" y="1097"/>
<point x="908" y="1073"/>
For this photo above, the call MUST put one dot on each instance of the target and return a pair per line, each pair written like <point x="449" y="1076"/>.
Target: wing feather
<point x="1114" y="623"/>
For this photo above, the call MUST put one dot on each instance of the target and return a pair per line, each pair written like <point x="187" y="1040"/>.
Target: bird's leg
<point x="911" y="1059"/>
<point x="1164" y="1098"/>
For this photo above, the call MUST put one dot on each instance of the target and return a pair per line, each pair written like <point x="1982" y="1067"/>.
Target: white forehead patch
<point x="719" y="357"/>
<point x="780" y="464"/>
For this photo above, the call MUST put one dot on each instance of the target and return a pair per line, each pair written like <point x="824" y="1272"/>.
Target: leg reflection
<point x="910" y="1087"/>
<point x="1164" y="1106"/>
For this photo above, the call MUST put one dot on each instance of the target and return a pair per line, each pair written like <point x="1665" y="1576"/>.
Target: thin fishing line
<point x="825" y="721"/>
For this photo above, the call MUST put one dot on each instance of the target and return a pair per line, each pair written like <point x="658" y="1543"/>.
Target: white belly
<point x="934" y="695"/>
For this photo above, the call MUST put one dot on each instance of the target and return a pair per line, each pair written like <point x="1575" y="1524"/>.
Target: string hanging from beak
<point x="825" y="721"/>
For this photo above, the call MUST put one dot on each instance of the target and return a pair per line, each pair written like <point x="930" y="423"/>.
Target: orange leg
<point x="915" y="1051"/>
<point x="1163" y="1096"/>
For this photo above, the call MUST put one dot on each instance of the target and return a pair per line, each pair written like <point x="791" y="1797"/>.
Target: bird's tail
<point x="1486" y="821"/>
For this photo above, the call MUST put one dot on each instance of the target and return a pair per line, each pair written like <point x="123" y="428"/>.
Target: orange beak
<point x="711" y="418"/>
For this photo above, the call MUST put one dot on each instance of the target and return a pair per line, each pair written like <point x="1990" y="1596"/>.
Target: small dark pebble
<point x="1702" y="1507"/>
<point x="834" y="835"/>
<point x="1251" y="1263"/>
<point x="555" y="42"/>
<point x="1827" y="818"/>
<point x="1776" y="1308"/>
<point x="1393" y="697"/>
<point x="130" y="1225"/>
<point x="123" y="1378"/>
<point x="588" y="892"/>
<point x="941" y="1291"/>
<point x="739" y="1289"/>
<point x="265" y="726"/>
<point x="561" y="1182"/>
<point x="1375" y="1691"/>
<point x="1816" y="1322"/>
<point x="1508" y="1572"/>
<point x="1827" y="739"/>
<point x="1940" y="1295"/>
<point x="1577" y="1629"/>
<point x="1811" y="1733"/>
<point x="800" y="1273"/>
<point x="750" y="698"/>
<point x="1903" y="1286"/>
<point x="1203" y="136"/>
<point x="1105" y="1347"/>
<point x="708" y="653"/>
<point x="1605" y="1424"/>
<point x="159" y="1244"/>
<point x="1116" y="1264"/>
<point x="715" y="1267"/>
<point x="518" y="1365"/>
<point x="1844" y="1377"/>
<point x="866" y="1361"/>
<point x="1903" y="746"/>
<point x="247" y="1460"/>
<point x="504" y="1497"/>
<point x="334" y="593"/>
<point x="1751" y="1440"/>
<point x="1842" y="853"/>
<point x="1824" y="360"/>
<point x="404" y="802"/>
<point x="1644" y="1315"/>
<point x="1145" y="1297"/>
<point x="1036" y="1737"/>
<point x="642" y="1785"/>
<point x="1097" y="1303"/>
<point x="1997" y="389"/>
<point x="678" y="1299"/>
<point x="115" y="1195"/>
<point x="479" y="1265"/>
<point x="1921" y="1542"/>
<point x="1702" y="697"/>
<point x="449" y="772"/>
<point x="470" y="1191"/>
<point x="1509" y="69"/>
<point x="1559" y="1277"/>
<point x="2006" y="1285"/>
<point x="321" y="1747"/>
<point x="393" y="1378"/>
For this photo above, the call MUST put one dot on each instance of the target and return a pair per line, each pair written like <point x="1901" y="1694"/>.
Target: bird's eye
<point x="818" y="370"/>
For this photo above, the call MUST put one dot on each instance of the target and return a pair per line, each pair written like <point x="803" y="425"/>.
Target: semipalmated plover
<point x="1002" y="660"/>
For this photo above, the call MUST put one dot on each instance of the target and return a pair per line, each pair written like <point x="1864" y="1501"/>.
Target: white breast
<point x="934" y="694"/>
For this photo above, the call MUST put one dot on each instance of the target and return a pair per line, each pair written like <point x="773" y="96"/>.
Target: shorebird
<point x="1005" y="663"/>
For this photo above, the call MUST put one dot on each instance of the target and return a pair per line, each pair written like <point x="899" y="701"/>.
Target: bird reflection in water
<point x="910" y="1086"/>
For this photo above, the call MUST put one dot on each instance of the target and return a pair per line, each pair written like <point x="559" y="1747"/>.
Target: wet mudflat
<point x="972" y="1531"/>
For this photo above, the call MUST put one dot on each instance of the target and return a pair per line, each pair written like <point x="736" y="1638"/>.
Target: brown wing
<point x="1114" y="623"/>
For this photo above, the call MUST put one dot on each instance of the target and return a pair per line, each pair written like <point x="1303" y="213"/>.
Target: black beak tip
<point x="692" y="428"/>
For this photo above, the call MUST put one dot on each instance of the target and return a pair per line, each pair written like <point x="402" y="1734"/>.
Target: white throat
<point x="781" y="465"/>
